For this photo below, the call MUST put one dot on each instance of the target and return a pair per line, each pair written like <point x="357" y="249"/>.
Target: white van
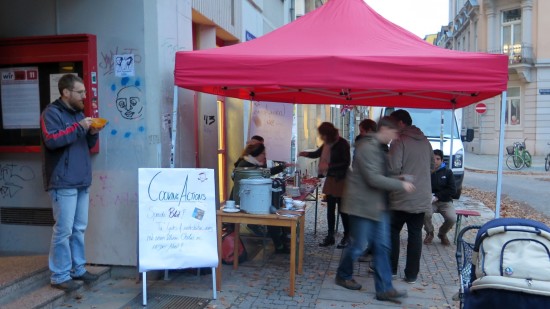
<point x="429" y="121"/>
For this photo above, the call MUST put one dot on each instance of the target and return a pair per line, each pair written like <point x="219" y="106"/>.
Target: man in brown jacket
<point x="366" y="202"/>
<point x="411" y="156"/>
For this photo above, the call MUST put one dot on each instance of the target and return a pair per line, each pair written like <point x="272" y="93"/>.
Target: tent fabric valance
<point x="344" y="53"/>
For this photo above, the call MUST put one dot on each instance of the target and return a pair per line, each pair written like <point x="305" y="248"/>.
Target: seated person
<point x="256" y="139"/>
<point x="443" y="189"/>
<point x="254" y="156"/>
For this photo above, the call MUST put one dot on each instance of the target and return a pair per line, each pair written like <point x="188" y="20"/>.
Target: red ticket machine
<point x="29" y="70"/>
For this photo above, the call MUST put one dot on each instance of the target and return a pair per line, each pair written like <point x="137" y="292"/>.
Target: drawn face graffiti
<point x="13" y="179"/>
<point x="128" y="102"/>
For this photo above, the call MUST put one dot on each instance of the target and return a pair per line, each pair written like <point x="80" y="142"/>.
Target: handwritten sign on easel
<point x="177" y="219"/>
<point x="273" y="121"/>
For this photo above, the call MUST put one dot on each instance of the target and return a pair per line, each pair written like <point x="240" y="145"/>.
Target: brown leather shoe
<point x="348" y="284"/>
<point x="87" y="277"/>
<point x="444" y="240"/>
<point x="429" y="238"/>
<point x="392" y="296"/>
<point x="67" y="286"/>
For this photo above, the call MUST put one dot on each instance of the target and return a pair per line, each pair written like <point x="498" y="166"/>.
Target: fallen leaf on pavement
<point x="509" y="208"/>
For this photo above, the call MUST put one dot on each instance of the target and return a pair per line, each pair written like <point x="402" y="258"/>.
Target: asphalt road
<point x="531" y="189"/>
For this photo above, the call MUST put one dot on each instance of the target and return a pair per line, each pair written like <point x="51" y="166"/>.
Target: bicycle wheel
<point x="519" y="162"/>
<point x="527" y="158"/>
<point x="514" y="162"/>
<point x="547" y="162"/>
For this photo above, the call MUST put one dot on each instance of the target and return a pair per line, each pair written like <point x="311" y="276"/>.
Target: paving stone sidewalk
<point x="263" y="282"/>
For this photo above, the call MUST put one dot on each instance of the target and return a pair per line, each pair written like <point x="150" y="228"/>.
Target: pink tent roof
<point x="344" y="53"/>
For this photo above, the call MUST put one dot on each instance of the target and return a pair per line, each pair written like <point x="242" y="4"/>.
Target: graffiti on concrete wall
<point x="108" y="195"/>
<point x="128" y="102"/>
<point x="13" y="178"/>
<point x="170" y="47"/>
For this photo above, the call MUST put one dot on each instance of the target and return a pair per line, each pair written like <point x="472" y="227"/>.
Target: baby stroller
<point x="464" y="251"/>
<point x="509" y="266"/>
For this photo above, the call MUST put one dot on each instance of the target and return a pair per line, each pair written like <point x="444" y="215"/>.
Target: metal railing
<point x="517" y="53"/>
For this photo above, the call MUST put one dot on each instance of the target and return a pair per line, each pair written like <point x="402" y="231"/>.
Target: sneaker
<point x="409" y="280"/>
<point x="429" y="238"/>
<point x="444" y="240"/>
<point x="67" y="286"/>
<point x="392" y="296"/>
<point x="87" y="277"/>
<point x="348" y="284"/>
<point x="343" y="243"/>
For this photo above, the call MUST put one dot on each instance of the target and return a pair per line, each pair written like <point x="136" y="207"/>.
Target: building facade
<point x="515" y="28"/>
<point x="153" y="31"/>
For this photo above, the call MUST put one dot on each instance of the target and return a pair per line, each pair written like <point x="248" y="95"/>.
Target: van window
<point x="429" y="121"/>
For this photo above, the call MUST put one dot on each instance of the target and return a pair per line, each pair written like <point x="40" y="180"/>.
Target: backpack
<point x="513" y="255"/>
<point x="228" y="244"/>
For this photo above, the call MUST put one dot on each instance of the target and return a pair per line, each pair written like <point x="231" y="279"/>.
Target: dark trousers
<point x="414" y="242"/>
<point x="278" y="235"/>
<point x="331" y="215"/>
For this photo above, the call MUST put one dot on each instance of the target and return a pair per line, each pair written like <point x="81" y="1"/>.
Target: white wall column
<point x="208" y="111"/>
<point x="527" y="22"/>
<point x="492" y="37"/>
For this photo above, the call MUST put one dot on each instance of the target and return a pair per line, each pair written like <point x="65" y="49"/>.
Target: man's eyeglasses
<point x="81" y="92"/>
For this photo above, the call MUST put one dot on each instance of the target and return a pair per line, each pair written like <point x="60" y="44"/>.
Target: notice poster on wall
<point x="273" y="122"/>
<point x="20" y="98"/>
<point x="177" y="218"/>
<point x="124" y="65"/>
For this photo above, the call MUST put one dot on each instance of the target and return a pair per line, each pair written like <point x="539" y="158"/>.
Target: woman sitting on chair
<point x="254" y="156"/>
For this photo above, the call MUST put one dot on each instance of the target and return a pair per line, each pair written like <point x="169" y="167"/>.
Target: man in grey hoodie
<point x="411" y="158"/>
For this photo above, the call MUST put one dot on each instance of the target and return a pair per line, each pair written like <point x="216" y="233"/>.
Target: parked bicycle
<point x="518" y="156"/>
<point x="547" y="161"/>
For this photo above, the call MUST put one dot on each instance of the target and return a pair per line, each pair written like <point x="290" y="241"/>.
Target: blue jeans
<point x="70" y="211"/>
<point x="376" y="234"/>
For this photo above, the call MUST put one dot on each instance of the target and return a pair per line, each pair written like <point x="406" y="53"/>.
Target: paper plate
<point x="98" y="123"/>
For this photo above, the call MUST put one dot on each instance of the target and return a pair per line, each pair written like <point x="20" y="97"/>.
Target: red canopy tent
<point x="345" y="53"/>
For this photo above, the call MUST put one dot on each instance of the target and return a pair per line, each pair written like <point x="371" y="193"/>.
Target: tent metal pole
<point x="453" y="122"/>
<point x="174" y="128"/>
<point x="500" y="153"/>
<point x="442" y="132"/>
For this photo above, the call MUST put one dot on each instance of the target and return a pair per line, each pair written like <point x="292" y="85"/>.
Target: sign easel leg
<point x="214" y="292"/>
<point x="144" y="287"/>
